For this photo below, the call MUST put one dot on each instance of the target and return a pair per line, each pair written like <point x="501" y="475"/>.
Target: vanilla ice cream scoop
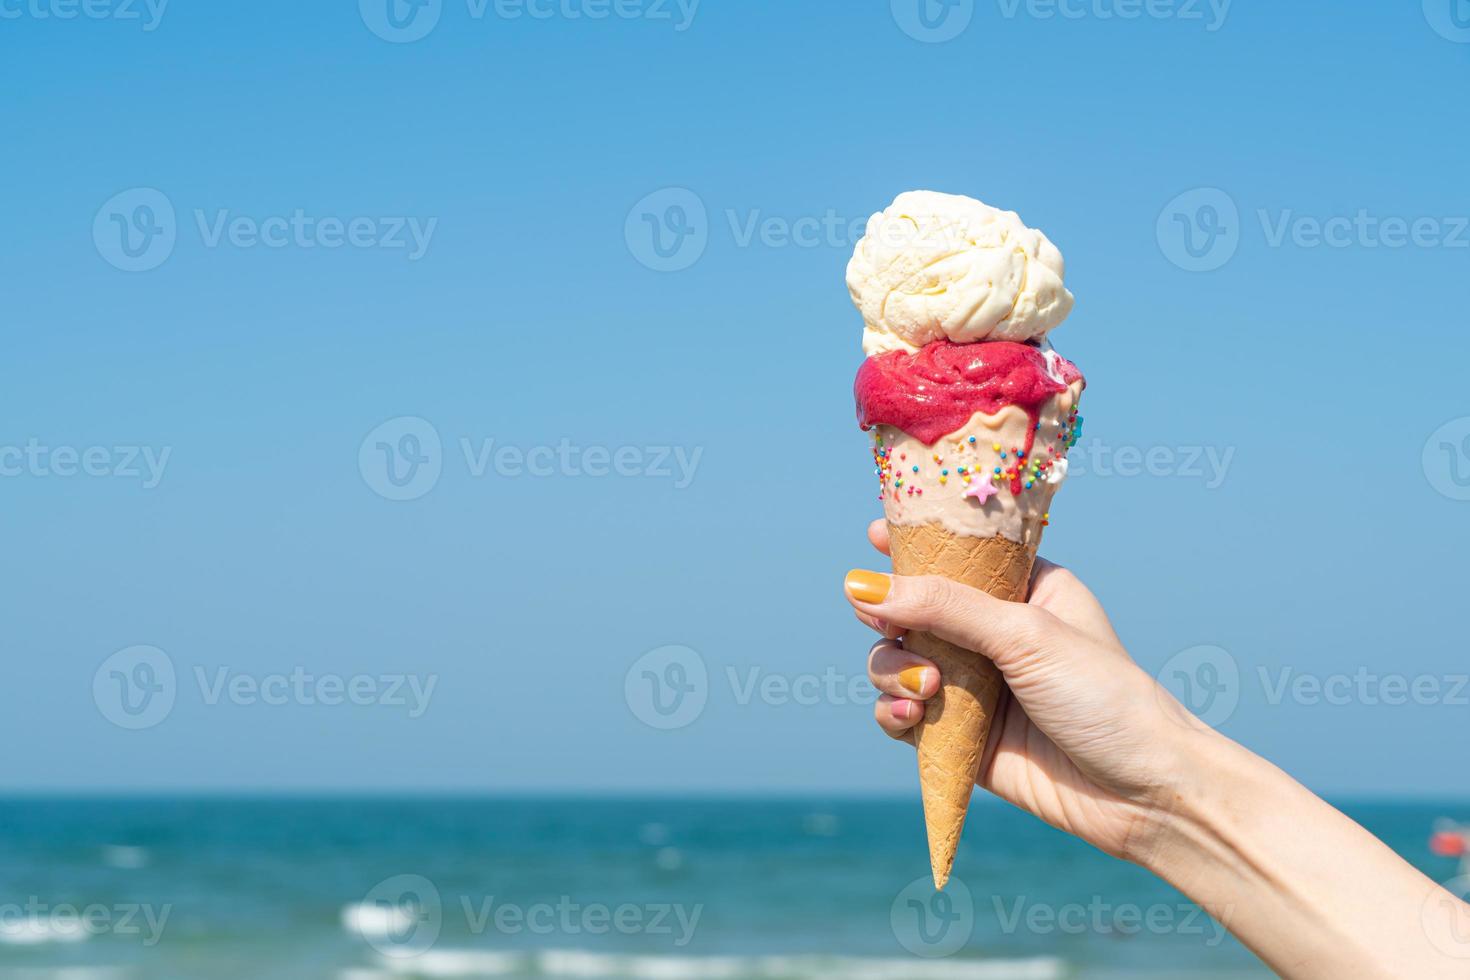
<point x="947" y="267"/>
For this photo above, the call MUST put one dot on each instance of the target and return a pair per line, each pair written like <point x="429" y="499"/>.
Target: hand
<point x="1085" y="739"/>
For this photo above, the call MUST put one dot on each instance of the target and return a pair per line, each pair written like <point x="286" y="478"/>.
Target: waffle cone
<point x="951" y="738"/>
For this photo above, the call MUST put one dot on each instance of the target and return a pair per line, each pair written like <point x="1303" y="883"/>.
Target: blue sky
<point x="342" y="239"/>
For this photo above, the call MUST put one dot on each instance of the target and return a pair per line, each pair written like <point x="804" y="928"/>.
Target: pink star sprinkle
<point x="982" y="491"/>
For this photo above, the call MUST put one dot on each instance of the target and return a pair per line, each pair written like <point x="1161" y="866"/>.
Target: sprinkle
<point x="972" y="440"/>
<point x="944" y="472"/>
<point x="997" y="471"/>
<point x="995" y="446"/>
<point x="916" y="469"/>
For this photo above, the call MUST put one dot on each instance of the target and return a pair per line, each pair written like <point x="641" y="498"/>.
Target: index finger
<point x="878" y="535"/>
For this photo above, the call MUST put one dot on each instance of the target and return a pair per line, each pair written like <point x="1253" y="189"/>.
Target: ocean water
<point x="376" y="889"/>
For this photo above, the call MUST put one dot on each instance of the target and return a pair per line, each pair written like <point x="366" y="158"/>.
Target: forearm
<point x="1307" y="889"/>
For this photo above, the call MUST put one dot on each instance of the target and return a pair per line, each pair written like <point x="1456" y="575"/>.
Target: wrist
<point x="1194" y="834"/>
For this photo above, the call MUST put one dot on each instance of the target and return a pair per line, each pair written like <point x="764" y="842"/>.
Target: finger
<point x="966" y="617"/>
<point x="880" y="626"/>
<point x="878" y="535"/>
<point x="893" y="670"/>
<point x="898" y="716"/>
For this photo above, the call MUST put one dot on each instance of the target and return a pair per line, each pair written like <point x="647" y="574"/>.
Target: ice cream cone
<point x="972" y="414"/>
<point x="951" y="739"/>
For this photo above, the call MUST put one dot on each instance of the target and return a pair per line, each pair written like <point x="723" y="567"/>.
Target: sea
<point x="653" y="888"/>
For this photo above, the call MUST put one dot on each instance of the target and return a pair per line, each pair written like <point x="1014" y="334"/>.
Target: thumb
<point x="1005" y="632"/>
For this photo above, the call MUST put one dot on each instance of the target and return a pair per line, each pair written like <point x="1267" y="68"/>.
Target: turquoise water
<point x="360" y="889"/>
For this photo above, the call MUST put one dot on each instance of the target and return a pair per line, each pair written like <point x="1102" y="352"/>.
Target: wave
<point x="38" y="930"/>
<point x="581" y="965"/>
<point x="372" y="921"/>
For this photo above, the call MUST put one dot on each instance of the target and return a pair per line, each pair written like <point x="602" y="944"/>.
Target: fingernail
<point x="871" y="587"/>
<point x="902" y="710"/>
<point x="914" y="679"/>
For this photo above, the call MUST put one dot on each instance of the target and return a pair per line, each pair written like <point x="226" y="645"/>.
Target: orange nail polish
<point x="869" y="587"/>
<point x="913" y="678"/>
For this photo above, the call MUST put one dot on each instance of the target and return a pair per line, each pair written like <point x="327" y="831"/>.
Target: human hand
<point x="1085" y="739"/>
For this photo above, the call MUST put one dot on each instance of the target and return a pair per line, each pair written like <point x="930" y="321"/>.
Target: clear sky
<point x="239" y="238"/>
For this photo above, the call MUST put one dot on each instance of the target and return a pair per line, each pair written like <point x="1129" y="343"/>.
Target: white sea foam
<point x="124" y="856"/>
<point x="458" y="963"/>
<point x="583" y="965"/>
<point x="376" y="921"/>
<point x="37" y="930"/>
